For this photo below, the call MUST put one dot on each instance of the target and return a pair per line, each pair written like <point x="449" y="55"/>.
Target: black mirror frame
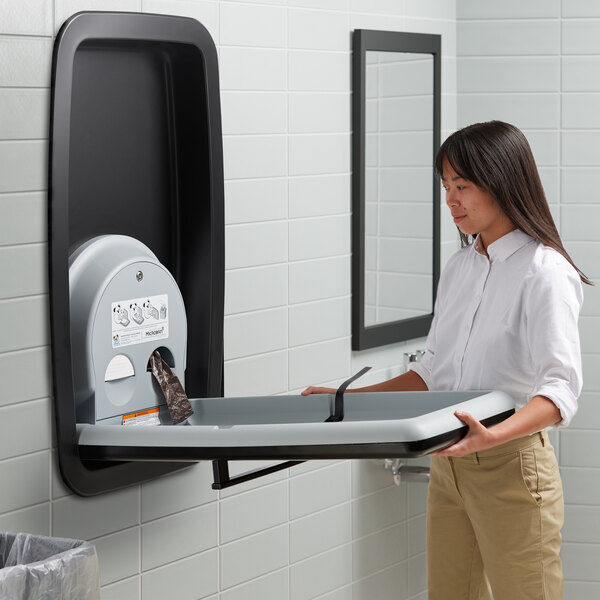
<point x="387" y="41"/>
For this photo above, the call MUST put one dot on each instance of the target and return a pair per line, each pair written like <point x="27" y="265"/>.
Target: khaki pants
<point x="495" y="516"/>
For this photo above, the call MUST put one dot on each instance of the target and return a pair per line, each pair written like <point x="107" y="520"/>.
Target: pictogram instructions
<point x="140" y="320"/>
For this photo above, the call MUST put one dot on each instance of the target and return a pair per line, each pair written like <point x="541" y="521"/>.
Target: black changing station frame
<point x="136" y="149"/>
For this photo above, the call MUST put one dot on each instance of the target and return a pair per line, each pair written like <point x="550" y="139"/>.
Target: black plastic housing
<point x="136" y="149"/>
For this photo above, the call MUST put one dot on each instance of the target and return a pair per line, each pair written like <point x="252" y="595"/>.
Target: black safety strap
<point x="338" y="409"/>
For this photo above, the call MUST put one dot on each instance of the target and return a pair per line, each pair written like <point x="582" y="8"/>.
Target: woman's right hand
<point x="317" y="390"/>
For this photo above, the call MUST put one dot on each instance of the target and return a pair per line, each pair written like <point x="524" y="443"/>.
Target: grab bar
<point x="402" y="472"/>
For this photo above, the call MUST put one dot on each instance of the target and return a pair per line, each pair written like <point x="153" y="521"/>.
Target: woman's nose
<point x="451" y="200"/>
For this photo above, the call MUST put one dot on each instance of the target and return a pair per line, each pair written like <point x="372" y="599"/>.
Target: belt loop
<point x="542" y="438"/>
<point x="476" y="457"/>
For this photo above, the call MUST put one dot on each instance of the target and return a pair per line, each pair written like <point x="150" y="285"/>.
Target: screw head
<point x="139" y="276"/>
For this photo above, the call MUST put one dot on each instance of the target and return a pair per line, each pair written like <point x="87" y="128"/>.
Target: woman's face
<point x="473" y="209"/>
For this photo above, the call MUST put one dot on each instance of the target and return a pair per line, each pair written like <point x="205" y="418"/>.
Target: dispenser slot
<point x="166" y="355"/>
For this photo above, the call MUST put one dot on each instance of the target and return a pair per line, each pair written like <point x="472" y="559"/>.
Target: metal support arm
<point x="223" y="479"/>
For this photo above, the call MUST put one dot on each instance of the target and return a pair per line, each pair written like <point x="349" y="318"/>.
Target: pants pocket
<point x="541" y="477"/>
<point x="529" y="473"/>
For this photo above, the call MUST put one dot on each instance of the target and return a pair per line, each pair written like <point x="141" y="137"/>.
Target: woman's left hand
<point x="478" y="438"/>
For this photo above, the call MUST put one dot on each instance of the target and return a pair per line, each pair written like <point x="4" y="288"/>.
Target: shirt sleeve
<point x="424" y="367"/>
<point x="552" y="310"/>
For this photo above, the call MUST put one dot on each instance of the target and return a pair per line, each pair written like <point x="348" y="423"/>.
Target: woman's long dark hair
<point x="496" y="157"/>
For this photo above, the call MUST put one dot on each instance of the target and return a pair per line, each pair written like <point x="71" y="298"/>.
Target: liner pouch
<point x="177" y="401"/>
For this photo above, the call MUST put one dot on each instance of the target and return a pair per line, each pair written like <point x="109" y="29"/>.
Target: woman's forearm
<point x="540" y="412"/>
<point x="407" y="382"/>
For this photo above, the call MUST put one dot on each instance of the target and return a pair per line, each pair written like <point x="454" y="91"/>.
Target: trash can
<point x="34" y="567"/>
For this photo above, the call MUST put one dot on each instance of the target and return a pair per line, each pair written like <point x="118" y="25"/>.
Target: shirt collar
<point x="505" y="246"/>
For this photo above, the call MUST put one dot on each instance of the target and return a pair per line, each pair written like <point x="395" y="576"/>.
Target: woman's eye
<point x="460" y="187"/>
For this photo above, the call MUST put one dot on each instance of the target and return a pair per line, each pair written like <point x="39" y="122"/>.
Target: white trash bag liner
<point x="34" y="567"/>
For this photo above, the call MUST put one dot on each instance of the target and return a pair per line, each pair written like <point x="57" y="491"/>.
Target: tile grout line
<point x="288" y="212"/>
<point x="558" y="450"/>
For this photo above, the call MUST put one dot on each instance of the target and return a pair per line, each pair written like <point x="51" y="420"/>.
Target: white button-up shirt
<point x="507" y="322"/>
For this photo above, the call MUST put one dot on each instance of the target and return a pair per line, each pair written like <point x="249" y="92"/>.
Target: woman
<point x="505" y="318"/>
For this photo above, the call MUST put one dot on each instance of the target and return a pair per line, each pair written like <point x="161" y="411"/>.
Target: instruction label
<point x="139" y="320"/>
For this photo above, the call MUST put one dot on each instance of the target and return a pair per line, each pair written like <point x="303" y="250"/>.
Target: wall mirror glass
<point x="395" y="193"/>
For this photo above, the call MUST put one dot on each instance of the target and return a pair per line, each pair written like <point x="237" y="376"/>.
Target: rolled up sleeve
<point x="424" y="366"/>
<point x="552" y="309"/>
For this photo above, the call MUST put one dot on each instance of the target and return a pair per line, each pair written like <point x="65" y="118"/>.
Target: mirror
<point x="396" y="195"/>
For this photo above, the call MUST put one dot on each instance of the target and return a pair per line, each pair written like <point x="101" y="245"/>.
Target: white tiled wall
<point x="537" y="64"/>
<point x="329" y="530"/>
